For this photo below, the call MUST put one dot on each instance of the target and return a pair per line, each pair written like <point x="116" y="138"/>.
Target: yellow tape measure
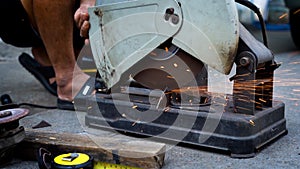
<point x="74" y="160"/>
<point x="102" y="165"/>
<point x="83" y="161"/>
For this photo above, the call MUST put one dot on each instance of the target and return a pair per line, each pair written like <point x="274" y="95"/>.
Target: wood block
<point x="66" y="134"/>
<point x="124" y="151"/>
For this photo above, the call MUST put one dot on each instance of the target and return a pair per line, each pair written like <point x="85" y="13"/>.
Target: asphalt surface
<point x="284" y="153"/>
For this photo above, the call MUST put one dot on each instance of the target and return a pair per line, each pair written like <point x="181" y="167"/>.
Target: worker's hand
<point x="81" y="17"/>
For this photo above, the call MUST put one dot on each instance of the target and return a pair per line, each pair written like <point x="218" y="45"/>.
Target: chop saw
<point x="152" y="58"/>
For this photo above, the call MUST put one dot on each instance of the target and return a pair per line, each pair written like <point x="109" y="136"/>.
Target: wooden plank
<point x="118" y="150"/>
<point x="67" y="132"/>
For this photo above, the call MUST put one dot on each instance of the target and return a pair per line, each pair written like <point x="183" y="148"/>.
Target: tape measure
<point x="72" y="160"/>
<point x="103" y="165"/>
<point x="82" y="161"/>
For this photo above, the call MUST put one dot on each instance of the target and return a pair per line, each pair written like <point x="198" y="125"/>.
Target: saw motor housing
<point x="126" y="32"/>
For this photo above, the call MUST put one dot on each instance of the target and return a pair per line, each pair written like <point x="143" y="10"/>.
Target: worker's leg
<point x="53" y="19"/>
<point x="41" y="55"/>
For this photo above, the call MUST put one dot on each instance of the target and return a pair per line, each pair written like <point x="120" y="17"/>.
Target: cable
<point x="37" y="106"/>
<point x="6" y="100"/>
<point x="255" y="9"/>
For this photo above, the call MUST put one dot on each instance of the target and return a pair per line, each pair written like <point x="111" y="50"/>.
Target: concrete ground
<point x="284" y="153"/>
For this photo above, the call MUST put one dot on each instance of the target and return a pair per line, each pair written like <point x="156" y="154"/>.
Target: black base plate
<point x="238" y="134"/>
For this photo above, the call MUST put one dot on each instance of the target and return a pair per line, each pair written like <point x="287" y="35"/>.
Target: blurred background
<point x="279" y="16"/>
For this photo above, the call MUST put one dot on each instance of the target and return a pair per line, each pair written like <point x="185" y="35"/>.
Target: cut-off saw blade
<point x="168" y="68"/>
<point x="10" y="115"/>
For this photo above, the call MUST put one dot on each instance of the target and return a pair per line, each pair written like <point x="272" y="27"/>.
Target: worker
<point x="56" y="31"/>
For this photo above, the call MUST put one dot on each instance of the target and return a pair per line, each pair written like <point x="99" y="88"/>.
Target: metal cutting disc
<point x="168" y="68"/>
<point x="10" y="115"/>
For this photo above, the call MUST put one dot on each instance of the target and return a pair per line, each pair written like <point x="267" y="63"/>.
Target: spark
<point x="252" y="122"/>
<point x="294" y="63"/>
<point x="136" y="122"/>
<point x="52" y="138"/>
<point x="297" y="11"/>
<point x="191" y="89"/>
<point x="260" y="99"/>
<point x="90" y="70"/>
<point x="243" y="108"/>
<point x="291" y="99"/>
<point x="283" y="16"/>
<point x="170" y="77"/>
<point x="153" y="53"/>
<point x="167" y="109"/>
<point x="166" y="49"/>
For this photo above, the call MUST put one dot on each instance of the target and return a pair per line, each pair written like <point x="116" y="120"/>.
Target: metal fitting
<point x="245" y="61"/>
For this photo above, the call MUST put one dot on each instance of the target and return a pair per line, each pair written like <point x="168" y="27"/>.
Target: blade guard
<point x="124" y="32"/>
